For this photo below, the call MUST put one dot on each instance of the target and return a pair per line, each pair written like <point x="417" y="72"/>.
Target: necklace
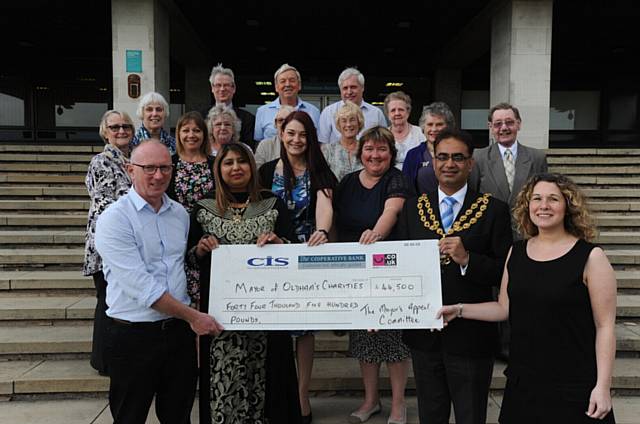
<point x="434" y="225"/>
<point x="238" y="211"/>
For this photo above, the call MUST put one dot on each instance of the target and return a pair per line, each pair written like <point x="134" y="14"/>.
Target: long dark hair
<point x="319" y="171"/>
<point x="224" y="196"/>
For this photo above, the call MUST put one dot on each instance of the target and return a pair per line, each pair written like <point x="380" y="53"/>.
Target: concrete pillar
<point x="448" y="89"/>
<point x="197" y="88"/>
<point x="521" y="64"/>
<point x="139" y="25"/>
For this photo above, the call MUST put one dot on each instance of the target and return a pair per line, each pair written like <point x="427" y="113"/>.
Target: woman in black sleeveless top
<point x="559" y="293"/>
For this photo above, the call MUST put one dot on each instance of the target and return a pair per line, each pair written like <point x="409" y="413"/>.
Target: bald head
<point x="150" y="171"/>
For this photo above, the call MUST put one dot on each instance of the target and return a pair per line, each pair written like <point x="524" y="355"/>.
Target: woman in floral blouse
<point x="192" y="176"/>
<point x="341" y="156"/>
<point x="106" y="181"/>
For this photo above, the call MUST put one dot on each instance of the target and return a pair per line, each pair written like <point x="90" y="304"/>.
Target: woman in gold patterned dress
<point x="245" y="376"/>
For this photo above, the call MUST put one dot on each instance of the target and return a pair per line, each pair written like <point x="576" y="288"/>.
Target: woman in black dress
<point x="367" y="204"/>
<point x="245" y="376"/>
<point x="559" y="293"/>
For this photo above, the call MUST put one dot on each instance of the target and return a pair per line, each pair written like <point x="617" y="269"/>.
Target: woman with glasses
<point x="418" y="164"/>
<point x="106" y="181"/>
<point x="367" y="205"/>
<point x="153" y="111"/>
<point x="245" y="376"/>
<point x="192" y="175"/>
<point x="223" y="126"/>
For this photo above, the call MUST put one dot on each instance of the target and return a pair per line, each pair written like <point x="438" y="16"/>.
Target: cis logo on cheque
<point x="268" y="261"/>
<point x="385" y="259"/>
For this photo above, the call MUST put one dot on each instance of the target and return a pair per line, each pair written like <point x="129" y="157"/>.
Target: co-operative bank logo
<point x="385" y="259"/>
<point x="267" y="261"/>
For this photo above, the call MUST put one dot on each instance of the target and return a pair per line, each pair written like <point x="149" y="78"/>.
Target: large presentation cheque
<point x="385" y="285"/>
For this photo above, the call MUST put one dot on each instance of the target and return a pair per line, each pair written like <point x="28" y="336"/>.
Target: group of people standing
<point x="160" y="205"/>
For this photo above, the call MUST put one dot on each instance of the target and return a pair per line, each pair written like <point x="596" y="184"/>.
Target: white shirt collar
<point x="513" y="148"/>
<point x="458" y="195"/>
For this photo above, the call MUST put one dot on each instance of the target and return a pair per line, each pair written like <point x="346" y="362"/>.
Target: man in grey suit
<point x="502" y="168"/>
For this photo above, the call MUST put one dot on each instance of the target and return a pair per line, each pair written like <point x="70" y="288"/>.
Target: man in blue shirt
<point x="351" y="83"/>
<point x="142" y="240"/>
<point x="288" y="84"/>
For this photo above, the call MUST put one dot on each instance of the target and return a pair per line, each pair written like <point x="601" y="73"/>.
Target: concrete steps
<point x="618" y="237"/>
<point x="32" y="220"/>
<point x="60" y="237"/>
<point x="593" y="160"/>
<point x="73" y="168"/>
<point x="15" y="308"/>
<point x="329" y="375"/>
<point x="44" y="281"/>
<point x="41" y="157"/>
<point x="24" y="148"/>
<point x="619" y="207"/>
<point x="36" y="191"/>
<point x="41" y="179"/>
<point x="17" y="257"/>
<point x="44" y="338"/>
<point x="44" y="205"/>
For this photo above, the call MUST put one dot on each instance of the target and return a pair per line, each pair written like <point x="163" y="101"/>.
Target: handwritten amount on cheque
<point x="388" y="302"/>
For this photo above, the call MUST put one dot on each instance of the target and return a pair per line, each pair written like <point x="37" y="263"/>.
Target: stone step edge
<point x="76" y="376"/>
<point x="62" y="339"/>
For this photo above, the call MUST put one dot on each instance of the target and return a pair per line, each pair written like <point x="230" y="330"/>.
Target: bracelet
<point x="459" y="310"/>
<point x="325" y="232"/>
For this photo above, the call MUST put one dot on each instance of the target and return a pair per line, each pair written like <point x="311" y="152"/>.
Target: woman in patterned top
<point x="303" y="180"/>
<point x="153" y="110"/>
<point x="341" y="156"/>
<point x="106" y="181"/>
<point x="245" y="377"/>
<point x="192" y="175"/>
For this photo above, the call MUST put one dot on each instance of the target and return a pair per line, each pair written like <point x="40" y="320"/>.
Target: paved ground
<point x="326" y="410"/>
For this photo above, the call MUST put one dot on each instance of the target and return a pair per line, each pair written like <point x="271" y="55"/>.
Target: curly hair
<point x="577" y="220"/>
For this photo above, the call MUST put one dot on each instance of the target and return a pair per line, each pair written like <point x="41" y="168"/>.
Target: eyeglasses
<point x="223" y="124"/>
<point x="116" y="128"/>
<point x="499" y="124"/>
<point x="456" y="157"/>
<point x="279" y="121"/>
<point x="151" y="169"/>
<point x="219" y="86"/>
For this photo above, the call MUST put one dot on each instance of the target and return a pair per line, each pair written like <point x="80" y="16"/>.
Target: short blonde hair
<point x="577" y="220"/>
<point x="347" y="110"/>
<point x="103" y="131"/>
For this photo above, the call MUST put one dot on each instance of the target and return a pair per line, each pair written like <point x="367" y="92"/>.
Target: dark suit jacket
<point x="488" y="242"/>
<point x="248" y="122"/>
<point x="488" y="174"/>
